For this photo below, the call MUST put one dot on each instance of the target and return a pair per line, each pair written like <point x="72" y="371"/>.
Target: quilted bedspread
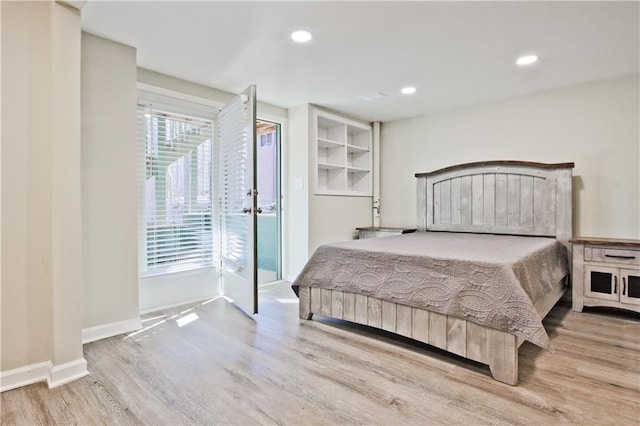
<point x="493" y="280"/>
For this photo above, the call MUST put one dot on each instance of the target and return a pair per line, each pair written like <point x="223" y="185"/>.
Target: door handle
<point x="247" y="210"/>
<point x="615" y="285"/>
<point x="376" y="206"/>
<point x="624" y="286"/>
<point x="617" y="256"/>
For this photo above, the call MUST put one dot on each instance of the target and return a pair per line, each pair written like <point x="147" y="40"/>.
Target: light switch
<point x="298" y="183"/>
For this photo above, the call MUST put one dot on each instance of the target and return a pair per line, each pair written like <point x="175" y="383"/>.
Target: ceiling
<point x="456" y="53"/>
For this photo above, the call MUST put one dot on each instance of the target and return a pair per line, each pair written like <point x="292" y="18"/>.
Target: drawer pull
<point x="619" y="256"/>
<point x="615" y="285"/>
<point x="624" y="286"/>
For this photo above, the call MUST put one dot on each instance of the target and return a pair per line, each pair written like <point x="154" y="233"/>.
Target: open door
<point x="235" y="213"/>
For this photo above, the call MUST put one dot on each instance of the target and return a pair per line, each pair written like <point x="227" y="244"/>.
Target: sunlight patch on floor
<point x="288" y="300"/>
<point x="186" y="319"/>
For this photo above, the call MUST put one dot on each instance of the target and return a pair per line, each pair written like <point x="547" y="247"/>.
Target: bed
<point x="489" y="261"/>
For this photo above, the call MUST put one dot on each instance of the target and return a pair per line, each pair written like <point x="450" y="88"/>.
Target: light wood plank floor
<point x="227" y="368"/>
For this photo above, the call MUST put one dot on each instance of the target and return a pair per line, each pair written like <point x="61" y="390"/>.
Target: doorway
<point x="269" y="224"/>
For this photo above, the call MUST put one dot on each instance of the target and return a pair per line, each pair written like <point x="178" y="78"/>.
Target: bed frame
<point x="497" y="197"/>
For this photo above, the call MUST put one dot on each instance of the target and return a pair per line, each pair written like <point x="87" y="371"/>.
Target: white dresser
<point x="378" y="231"/>
<point x="606" y="272"/>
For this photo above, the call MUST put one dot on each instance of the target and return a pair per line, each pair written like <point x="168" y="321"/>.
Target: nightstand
<point x="606" y="272"/>
<point x="377" y="231"/>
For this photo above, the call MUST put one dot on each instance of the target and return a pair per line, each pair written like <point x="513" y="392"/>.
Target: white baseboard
<point x="43" y="372"/>
<point x="99" y="332"/>
<point x="24" y="376"/>
<point x="181" y="303"/>
<point x="67" y="372"/>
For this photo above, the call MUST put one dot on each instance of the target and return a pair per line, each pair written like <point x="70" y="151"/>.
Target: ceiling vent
<point x="372" y="97"/>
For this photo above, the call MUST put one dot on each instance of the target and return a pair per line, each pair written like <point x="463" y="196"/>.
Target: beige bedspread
<point x="492" y="280"/>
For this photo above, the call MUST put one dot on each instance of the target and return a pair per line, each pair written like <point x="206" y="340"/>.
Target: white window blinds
<point x="175" y="184"/>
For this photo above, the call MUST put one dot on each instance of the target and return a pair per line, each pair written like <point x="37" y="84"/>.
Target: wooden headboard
<point x="498" y="197"/>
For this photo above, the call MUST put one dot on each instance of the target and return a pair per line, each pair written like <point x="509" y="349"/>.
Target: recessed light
<point x="408" y="90"/>
<point x="527" y="60"/>
<point x="301" y="36"/>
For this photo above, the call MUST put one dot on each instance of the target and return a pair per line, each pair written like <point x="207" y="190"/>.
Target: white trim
<point x="23" y="376"/>
<point x="99" y="332"/>
<point x="43" y="372"/>
<point x="158" y="271"/>
<point x="291" y="278"/>
<point x="67" y="372"/>
<point x="184" y="302"/>
<point x="75" y="4"/>
<point x="179" y="96"/>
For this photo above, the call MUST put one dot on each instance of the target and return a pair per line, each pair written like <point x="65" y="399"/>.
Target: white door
<point x="235" y="213"/>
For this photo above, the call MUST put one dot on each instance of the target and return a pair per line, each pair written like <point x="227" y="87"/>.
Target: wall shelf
<point x="343" y="159"/>
<point x="355" y="148"/>
<point x="326" y="166"/>
<point x="326" y="143"/>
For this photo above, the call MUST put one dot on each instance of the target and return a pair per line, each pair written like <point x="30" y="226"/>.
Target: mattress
<point x="492" y="280"/>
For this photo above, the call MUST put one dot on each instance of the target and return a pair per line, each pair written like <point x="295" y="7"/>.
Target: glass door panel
<point x="269" y="197"/>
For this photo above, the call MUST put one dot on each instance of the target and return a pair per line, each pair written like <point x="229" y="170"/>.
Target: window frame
<point x="186" y="106"/>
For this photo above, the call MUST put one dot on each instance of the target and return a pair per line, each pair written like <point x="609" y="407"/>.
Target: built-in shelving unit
<point x="343" y="156"/>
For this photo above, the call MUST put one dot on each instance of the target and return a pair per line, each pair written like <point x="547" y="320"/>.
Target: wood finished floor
<point x="227" y="368"/>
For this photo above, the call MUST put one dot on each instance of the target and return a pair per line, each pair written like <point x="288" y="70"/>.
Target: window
<point x="266" y="139"/>
<point x="177" y="190"/>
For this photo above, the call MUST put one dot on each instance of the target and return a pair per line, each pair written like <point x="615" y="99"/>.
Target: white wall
<point x="178" y="288"/>
<point x="594" y="125"/>
<point x="198" y="91"/>
<point x="41" y="200"/>
<point x="109" y="193"/>
<point x="335" y="218"/>
<point x="298" y="203"/>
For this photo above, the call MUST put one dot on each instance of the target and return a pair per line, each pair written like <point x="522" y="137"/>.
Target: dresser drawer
<point x="611" y="255"/>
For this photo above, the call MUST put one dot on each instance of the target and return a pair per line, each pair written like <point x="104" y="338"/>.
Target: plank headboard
<point x="498" y="197"/>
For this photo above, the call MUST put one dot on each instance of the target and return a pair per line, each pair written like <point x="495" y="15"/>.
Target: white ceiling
<point x="456" y="53"/>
